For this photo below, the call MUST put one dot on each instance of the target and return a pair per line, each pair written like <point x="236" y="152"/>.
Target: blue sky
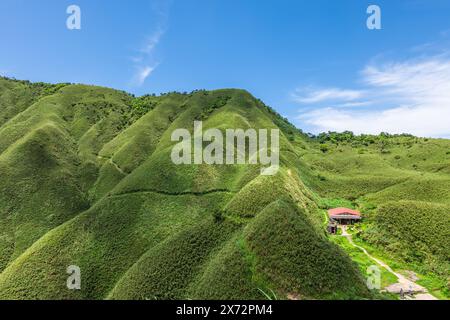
<point x="315" y="62"/>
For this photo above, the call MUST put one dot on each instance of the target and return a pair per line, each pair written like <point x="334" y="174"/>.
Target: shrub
<point x="218" y="216"/>
<point x="323" y="147"/>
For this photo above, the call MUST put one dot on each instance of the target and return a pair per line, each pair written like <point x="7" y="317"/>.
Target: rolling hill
<point x="87" y="180"/>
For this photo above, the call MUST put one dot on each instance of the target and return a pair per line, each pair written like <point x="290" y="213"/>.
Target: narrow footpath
<point x="110" y="160"/>
<point x="412" y="290"/>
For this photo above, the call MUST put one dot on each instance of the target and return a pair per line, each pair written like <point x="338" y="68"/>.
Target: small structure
<point x="344" y="216"/>
<point x="332" y="227"/>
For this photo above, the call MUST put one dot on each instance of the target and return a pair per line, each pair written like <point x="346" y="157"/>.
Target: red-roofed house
<point x="344" y="215"/>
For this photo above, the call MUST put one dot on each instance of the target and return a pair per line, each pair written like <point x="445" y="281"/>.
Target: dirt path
<point x="114" y="164"/>
<point x="168" y="193"/>
<point x="404" y="284"/>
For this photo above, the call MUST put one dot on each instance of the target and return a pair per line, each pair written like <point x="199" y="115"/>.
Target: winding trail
<point x="404" y="284"/>
<point x="110" y="160"/>
<point x="168" y="193"/>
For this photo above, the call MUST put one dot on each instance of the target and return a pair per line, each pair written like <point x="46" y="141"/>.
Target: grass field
<point x="87" y="180"/>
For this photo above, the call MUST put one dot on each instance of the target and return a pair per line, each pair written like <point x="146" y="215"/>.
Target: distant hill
<point x="87" y="180"/>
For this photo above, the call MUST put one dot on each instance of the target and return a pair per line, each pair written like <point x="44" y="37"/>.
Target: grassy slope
<point x="14" y="98"/>
<point x="99" y="191"/>
<point x="402" y="187"/>
<point x="363" y="261"/>
<point x="87" y="180"/>
<point x="416" y="231"/>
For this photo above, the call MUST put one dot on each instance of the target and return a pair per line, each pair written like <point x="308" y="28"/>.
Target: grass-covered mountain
<point x="87" y="180"/>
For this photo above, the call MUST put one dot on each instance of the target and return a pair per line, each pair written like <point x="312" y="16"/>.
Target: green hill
<point x="401" y="183"/>
<point x="87" y="180"/>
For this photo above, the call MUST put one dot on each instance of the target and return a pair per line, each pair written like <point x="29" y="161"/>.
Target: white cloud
<point x="309" y="95"/>
<point x="143" y="73"/>
<point x="354" y="104"/>
<point x="145" y="62"/>
<point x="153" y="40"/>
<point x="406" y="97"/>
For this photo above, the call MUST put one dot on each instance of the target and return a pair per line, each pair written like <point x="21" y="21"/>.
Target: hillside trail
<point x="110" y="160"/>
<point x="404" y="284"/>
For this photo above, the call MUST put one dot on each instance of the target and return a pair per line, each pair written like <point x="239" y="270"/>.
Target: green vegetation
<point x="435" y="283"/>
<point x="363" y="261"/>
<point x="87" y="180"/>
<point x="416" y="232"/>
<point x="401" y="183"/>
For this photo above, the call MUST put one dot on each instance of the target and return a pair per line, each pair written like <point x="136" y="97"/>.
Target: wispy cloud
<point x="310" y="95"/>
<point x="144" y="61"/>
<point x="143" y="73"/>
<point x="153" y="40"/>
<point x="406" y="97"/>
